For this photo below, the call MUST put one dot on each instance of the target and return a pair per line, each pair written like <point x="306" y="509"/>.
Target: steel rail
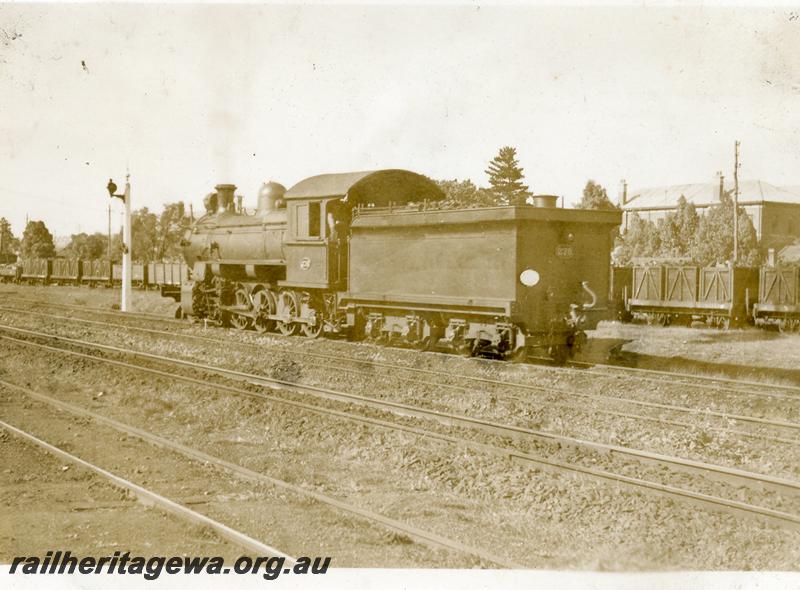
<point x="729" y="474"/>
<point x="143" y="494"/>
<point x="640" y="373"/>
<point x="680" y="375"/>
<point x="538" y="388"/>
<point x="151" y="316"/>
<point x="707" y="501"/>
<point x="426" y="537"/>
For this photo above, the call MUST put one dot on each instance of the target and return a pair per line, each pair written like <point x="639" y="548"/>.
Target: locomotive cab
<point x="316" y="244"/>
<point x="320" y="210"/>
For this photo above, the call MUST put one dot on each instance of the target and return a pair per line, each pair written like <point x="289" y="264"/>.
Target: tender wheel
<point x="264" y="305"/>
<point x="520" y="355"/>
<point x="465" y="347"/>
<point x="559" y="353"/>
<point x="241" y="299"/>
<point x="289" y="308"/>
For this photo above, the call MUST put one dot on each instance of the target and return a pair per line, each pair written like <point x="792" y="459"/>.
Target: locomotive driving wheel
<point x="264" y="305"/>
<point x="289" y="309"/>
<point x="242" y="300"/>
<point x="315" y="330"/>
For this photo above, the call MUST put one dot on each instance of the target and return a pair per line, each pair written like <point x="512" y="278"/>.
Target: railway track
<point x="716" y="383"/>
<point x="148" y="496"/>
<point x="781" y="391"/>
<point x="339" y="366"/>
<point x="731" y="476"/>
<point x="739" y="386"/>
<point x="416" y="534"/>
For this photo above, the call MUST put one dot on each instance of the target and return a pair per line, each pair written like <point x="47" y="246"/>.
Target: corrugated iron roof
<point x="790" y="254"/>
<point x="708" y="194"/>
<point x="378" y="187"/>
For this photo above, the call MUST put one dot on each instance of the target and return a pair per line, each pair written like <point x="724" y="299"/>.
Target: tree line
<point x="155" y="237"/>
<point x="685" y="235"/>
<point x="682" y="234"/>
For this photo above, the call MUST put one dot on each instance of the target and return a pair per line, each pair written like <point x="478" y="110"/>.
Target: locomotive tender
<point x="380" y="255"/>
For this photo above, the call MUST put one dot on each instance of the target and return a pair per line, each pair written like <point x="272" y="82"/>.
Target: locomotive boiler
<point x="227" y="248"/>
<point x="382" y="255"/>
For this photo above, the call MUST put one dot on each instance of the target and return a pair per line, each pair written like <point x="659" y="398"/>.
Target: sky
<point x="188" y="96"/>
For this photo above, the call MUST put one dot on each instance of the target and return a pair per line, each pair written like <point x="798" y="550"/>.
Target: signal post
<point x="127" y="242"/>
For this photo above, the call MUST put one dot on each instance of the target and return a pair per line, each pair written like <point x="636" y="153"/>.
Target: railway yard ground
<point x="658" y="449"/>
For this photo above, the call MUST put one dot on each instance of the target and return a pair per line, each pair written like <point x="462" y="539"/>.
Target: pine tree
<point x="714" y="242"/>
<point x="8" y="243"/>
<point x="686" y="221"/>
<point x="639" y="239"/>
<point x="37" y="241"/>
<point x="595" y="197"/>
<point x="677" y="230"/>
<point x="505" y="178"/>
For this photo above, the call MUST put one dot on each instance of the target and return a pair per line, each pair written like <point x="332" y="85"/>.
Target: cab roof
<point x="376" y="187"/>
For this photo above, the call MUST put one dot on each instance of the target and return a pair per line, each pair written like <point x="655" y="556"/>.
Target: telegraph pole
<point x="127" y="242"/>
<point x="736" y="202"/>
<point x="108" y="249"/>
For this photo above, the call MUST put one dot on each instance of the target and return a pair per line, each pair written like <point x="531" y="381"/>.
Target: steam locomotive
<point x="382" y="255"/>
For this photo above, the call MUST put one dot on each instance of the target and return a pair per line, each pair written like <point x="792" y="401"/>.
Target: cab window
<point x="313" y="220"/>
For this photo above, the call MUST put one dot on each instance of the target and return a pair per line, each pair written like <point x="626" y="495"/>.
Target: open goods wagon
<point x="721" y="295"/>
<point x="36" y="270"/>
<point x="96" y="272"/>
<point x="10" y="272"/>
<point x="66" y="271"/>
<point x="778" y="298"/>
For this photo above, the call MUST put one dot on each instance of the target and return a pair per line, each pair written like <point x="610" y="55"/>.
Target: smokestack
<point x="225" y="196"/>
<point x="623" y="192"/>
<point x="721" y="185"/>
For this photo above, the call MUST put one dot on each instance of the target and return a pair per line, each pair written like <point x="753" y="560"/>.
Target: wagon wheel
<point x="415" y="338"/>
<point x="559" y="353"/>
<point x="372" y="330"/>
<point x="314" y="331"/>
<point x="264" y="305"/>
<point x="724" y="323"/>
<point x="520" y="355"/>
<point x="241" y="299"/>
<point x="289" y="307"/>
<point x="437" y="331"/>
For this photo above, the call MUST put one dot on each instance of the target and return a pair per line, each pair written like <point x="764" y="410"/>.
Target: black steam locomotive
<point x="382" y="255"/>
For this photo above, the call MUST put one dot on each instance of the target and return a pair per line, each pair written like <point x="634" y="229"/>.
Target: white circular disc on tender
<point x="529" y="277"/>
